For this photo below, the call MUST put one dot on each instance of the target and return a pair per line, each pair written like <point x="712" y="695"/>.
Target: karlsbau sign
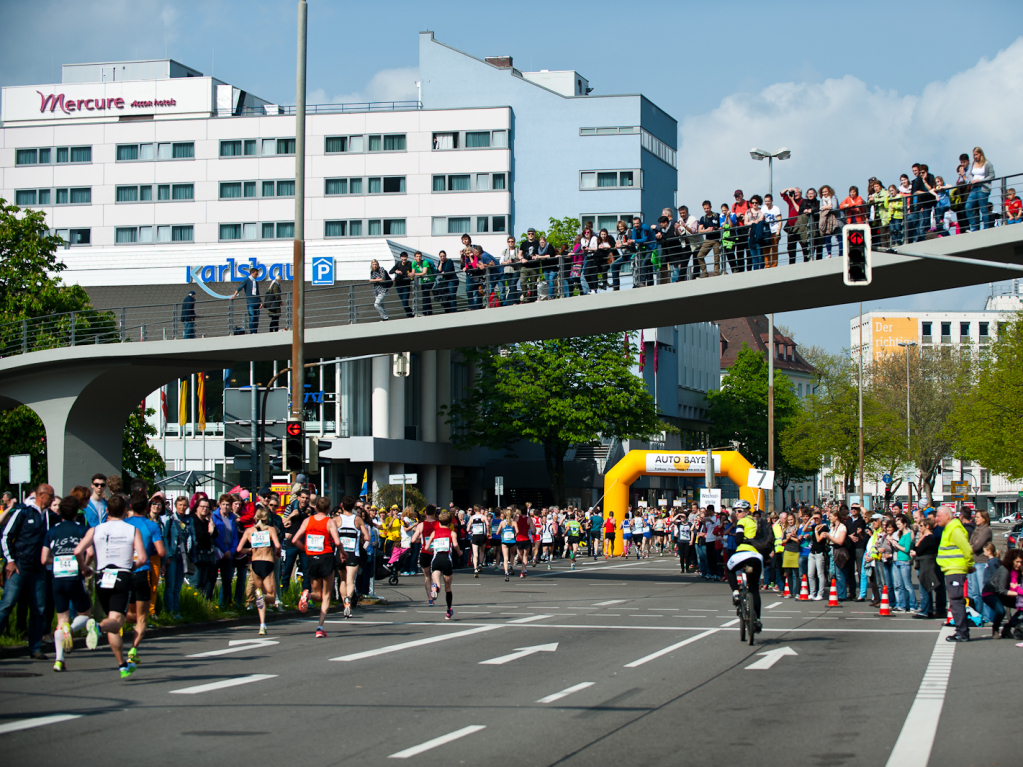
<point x="108" y="101"/>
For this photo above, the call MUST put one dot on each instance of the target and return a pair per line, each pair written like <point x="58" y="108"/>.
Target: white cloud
<point x="385" y="85"/>
<point x="841" y="132"/>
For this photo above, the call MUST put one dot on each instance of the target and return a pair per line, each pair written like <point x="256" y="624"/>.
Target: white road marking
<point x="531" y="618"/>
<point x="415" y="750"/>
<point x="770" y="658"/>
<point x="609" y="602"/>
<point x="222" y="684"/>
<point x="732" y="622"/>
<point x="670" y="648"/>
<point x="414" y="643"/>
<point x="237" y="645"/>
<point x="520" y="652"/>
<point x="702" y="610"/>
<point x="913" y="748"/>
<point x="39" y="721"/>
<point x="566" y="692"/>
<point x="772" y="606"/>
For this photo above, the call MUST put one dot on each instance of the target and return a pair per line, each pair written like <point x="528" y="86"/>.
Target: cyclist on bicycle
<point x="746" y="555"/>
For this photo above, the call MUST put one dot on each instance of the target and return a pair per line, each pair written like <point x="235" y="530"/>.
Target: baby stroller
<point x="396" y="564"/>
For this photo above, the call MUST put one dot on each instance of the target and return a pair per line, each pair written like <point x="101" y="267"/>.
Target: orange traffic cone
<point x="885" y="608"/>
<point x="787" y="594"/>
<point x="833" y="596"/>
<point x="949" y="620"/>
<point x="804" y="593"/>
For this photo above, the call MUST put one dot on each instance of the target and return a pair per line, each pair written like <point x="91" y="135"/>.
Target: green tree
<point x="138" y="457"/>
<point x="557" y="394"/>
<point x="390" y="495"/>
<point x="22" y="433"/>
<point x="738" y="414"/>
<point x="559" y="232"/>
<point x="987" y="421"/>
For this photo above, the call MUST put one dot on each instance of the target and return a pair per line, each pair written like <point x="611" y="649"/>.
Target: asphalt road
<point x="617" y="663"/>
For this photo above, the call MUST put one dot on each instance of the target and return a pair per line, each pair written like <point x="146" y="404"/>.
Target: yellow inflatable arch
<point x="669" y="463"/>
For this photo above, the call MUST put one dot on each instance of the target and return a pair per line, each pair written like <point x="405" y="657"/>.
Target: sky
<point x="853" y="90"/>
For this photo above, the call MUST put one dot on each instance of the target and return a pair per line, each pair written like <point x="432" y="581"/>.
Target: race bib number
<point x="349" y="544"/>
<point x="508" y="536"/>
<point x="441" y="544"/>
<point x="314" y="543"/>
<point x="65" y="566"/>
<point x="477" y="528"/>
<point x="261" y="540"/>
<point x="547" y="538"/>
<point x="108" y="580"/>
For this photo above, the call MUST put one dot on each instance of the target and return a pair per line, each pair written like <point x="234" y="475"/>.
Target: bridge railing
<point x="490" y="288"/>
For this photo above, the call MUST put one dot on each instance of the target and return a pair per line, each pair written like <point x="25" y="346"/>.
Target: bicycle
<point x="747" y="615"/>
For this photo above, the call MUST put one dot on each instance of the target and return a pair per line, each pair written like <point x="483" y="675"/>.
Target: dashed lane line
<point x="416" y="643"/>
<point x="222" y="684"/>
<point x="566" y="692"/>
<point x="669" y="648"/>
<point x="443" y="739"/>
<point x="38" y="721"/>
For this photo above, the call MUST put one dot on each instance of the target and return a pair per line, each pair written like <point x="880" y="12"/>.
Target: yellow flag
<point x="200" y="393"/>
<point x="183" y="406"/>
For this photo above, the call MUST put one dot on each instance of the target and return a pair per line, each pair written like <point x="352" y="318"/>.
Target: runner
<point x="648" y="533"/>
<point x="547" y="532"/>
<point x="423" y="532"/>
<point x="523" y="535"/>
<point x="683" y="534"/>
<point x="627" y="534"/>
<point x="141" y="591"/>
<point x="659" y="533"/>
<point x="638" y="532"/>
<point x="507" y="532"/>
<point x="353" y="533"/>
<point x="478" y="527"/>
<point x="535" y="523"/>
<point x="441" y="542"/>
<point x="574" y="529"/>
<point x="116" y="545"/>
<point x="319" y="531"/>
<point x="68" y="583"/>
<point x="609" y="535"/>
<point x="262" y="539"/>
<point x="496" y="516"/>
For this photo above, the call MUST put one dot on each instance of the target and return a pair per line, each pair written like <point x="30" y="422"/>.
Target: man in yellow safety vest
<point x="955" y="558"/>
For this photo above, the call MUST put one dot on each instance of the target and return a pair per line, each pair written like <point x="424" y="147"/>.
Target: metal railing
<point x="321" y="109"/>
<point x="485" y="288"/>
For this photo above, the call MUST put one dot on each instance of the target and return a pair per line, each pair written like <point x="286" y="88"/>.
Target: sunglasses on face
<point x="99" y="484"/>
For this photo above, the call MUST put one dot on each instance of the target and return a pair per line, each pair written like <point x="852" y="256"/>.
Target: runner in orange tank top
<point x="321" y="539"/>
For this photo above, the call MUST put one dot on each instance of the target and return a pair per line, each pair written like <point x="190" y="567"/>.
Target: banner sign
<point x="680" y="463"/>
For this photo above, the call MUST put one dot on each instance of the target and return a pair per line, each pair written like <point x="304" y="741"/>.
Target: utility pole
<point x="907" y="345"/>
<point x="770" y="405"/>
<point x="298" y="273"/>
<point x="863" y="503"/>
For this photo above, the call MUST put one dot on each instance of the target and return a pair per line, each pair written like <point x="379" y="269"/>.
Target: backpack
<point x="763" y="542"/>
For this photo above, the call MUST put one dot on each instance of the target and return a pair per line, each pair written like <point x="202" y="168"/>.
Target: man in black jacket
<point x="188" y="314"/>
<point x="447" y="282"/>
<point x="22" y="541"/>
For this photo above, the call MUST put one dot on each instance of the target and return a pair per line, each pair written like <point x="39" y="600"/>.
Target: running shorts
<point x="140" y="589"/>
<point x="573" y="540"/>
<point x="115" y="600"/>
<point x="442" y="563"/>
<point x="524" y="545"/>
<point x="320" y="566"/>
<point x="425" y="559"/>
<point x="262" y="569"/>
<point x="70" y="591"/>
<point x="479" y="540"/>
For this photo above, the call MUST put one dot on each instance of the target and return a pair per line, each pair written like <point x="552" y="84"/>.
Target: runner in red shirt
<point x="442" y="541"/>
<point x="321" y="540"/>
<point x="523" y="539"/>
<point x="610" y="530"/>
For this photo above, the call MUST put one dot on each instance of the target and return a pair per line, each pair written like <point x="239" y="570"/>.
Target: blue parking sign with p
<point x="323" y="270"/>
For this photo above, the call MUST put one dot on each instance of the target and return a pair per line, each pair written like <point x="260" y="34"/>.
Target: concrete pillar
<point x="396" y="408"/>
<point x="443" y="486"/>
<point x="428" y="482"/>
<point x="381" y="391"/>
<point x="443" y="400"/>
<point x="477" y="493"/>
<point x="428" y="407"/>
<point x="378" y="476"/>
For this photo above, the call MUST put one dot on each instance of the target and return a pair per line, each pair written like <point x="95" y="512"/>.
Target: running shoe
<point x="433" y="592"/>
<point x="59" y="666"/>
<point x="92" y="634"/>
<point x="68" y="640"/>
<point x="260" y="601"/>
<point x="303" y="602"/>
<point x="348" y="607"/>
<point x="133" y="656"/>
<point x="448" y="614"/>
<point x="476" y="574"/>
<point x="321" y="634"/>
<point x="262" y="631"/>
<point x="127" y="671"/>
<point x="573" y="565"/>
<point x="548" y="565"/>
<point x="431" y="601"/>
<point x="506" y="577"/>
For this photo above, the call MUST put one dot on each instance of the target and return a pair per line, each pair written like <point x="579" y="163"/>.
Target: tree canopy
<point x="556" y="394"/>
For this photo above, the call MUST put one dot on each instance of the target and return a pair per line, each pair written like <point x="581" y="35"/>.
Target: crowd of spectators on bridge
<point x="747" y="234"/>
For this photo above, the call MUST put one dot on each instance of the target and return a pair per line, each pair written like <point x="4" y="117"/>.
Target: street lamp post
<point x="298" y="271"/>
<point x="759" y="155"/>
<point x="907" y="345"/>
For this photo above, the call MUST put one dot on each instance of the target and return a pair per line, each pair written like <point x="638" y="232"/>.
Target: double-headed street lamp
<point x="907" y="345"/>
<point x="760" y="155"/>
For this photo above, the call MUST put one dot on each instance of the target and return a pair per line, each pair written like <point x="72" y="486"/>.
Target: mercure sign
<point x="55" y="101"/>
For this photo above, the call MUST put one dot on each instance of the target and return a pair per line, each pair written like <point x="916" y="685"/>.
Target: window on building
<point x="500" y="139"/>
<point x="182" y="233"/>
<point x="982" y="327"/>
<point x="162" y="192"/>
<point x="126" y="234"/>
<point x="163" y="234"/>
<point x="286" y="188"/>
<point x="355" y="228"/>
<point x="25" y="197"/>
<point x="230" y="231"/>
<point x="394" y="143"/>
<point x="657" y="148"/>
<point x="146" y="234"/>
<point x="75" y="237"/>
<point x="183" y="150"/>
<point x="626" y="129"/>
<point x="964" y="331"/>
<point x="26" y="157"/>
<point x="249" y="189"/>
<point x="498" y="224"/>
<point x="375" y="144"/>
<point x="268" y="189"/>
<point x="335" y="228"/>
<point x="182" y="192"/>
<point x="946" y="332"/>
<point x="608" y="179"/>
<point x="127" y="152"/>
<point x="230" y="190"/>
<point x="355" y="186"/>
<point x="269" y="147"/>
<point x="374" y="185"/>
<point x="81" y="154"/>
<point x="230" y="148"/>
<point x="285" y="146"/>
<point x="459" y="225"/>
<point x="925" y="332"/>
<point x="62" y="154"/>
<point x="439" y="184"/>
<point x="44" y="196"/>
<point x="482" y="182"/>
<point x="482" y="224"/>
<point x="81" y="195"/>
<point x="335" y="144"/>
<point x="374" y="229"/>
<point x="267" y="231"/>
<point x="126" y="194"/>
<point x="394" y="227"/>
<point x="499" y="182"/>
<point x="286" y="230"/>
<point x="335" y="186"/>
<point x="458" y="183"/>
<point x="477" y="139"/>
<point x="250" y="231"/>
<point x="445" y="140"/>
<point x="394" y="184"/>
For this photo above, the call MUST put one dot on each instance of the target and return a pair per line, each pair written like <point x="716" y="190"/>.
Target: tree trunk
<point x="554" y="458"/>
<point x="784" y="488"/>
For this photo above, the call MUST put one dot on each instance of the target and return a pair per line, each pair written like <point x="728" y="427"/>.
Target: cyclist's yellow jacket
<point x="746" y="530"/>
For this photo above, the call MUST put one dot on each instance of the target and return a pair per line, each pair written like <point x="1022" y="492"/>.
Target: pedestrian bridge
<point x="84" y="374"/>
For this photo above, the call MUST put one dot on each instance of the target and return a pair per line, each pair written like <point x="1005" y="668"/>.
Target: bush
<point x="390" y="495"/>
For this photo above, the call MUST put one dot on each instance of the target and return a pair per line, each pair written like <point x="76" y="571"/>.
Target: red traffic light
<point x="294" y="428"/>
<point x="855" y="238"/>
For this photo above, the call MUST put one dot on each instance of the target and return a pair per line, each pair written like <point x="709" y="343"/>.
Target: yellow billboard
<point x="887" y="332"/>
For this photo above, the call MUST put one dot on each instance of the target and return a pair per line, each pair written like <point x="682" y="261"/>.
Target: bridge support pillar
<point x="428" y="482"/>
<point x="381" y="392"/>
<point x="428" y="382"/>
<point x="443" y="399"/>
<point x="443" y="486"/>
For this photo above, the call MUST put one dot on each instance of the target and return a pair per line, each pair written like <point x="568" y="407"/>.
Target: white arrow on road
<point x="770" y="658"/>
<point x="520" y="652"/>
<point x="236" y="645"/>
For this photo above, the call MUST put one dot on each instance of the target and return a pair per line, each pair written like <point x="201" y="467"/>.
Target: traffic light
<point x="317" y="446"/>
<point x="856" y="254"/>
<point x="294" y="446"/>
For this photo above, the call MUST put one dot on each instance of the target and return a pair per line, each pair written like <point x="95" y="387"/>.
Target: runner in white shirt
<point x="118" y="547"/>
<point x="479" y="531"/>
<point x="548" y="530"/>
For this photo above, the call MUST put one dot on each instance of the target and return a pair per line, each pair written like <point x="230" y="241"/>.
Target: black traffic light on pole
<point x="317" y="445"/>
<point x="294" y="446"/>
<point x="856" y="254"/>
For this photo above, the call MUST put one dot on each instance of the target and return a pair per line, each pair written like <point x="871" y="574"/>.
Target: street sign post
<point x="959" y="490"/>
<point x="19" y="471"/>
<point x="498" y="489"/>
<point x="404" y="479"/>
